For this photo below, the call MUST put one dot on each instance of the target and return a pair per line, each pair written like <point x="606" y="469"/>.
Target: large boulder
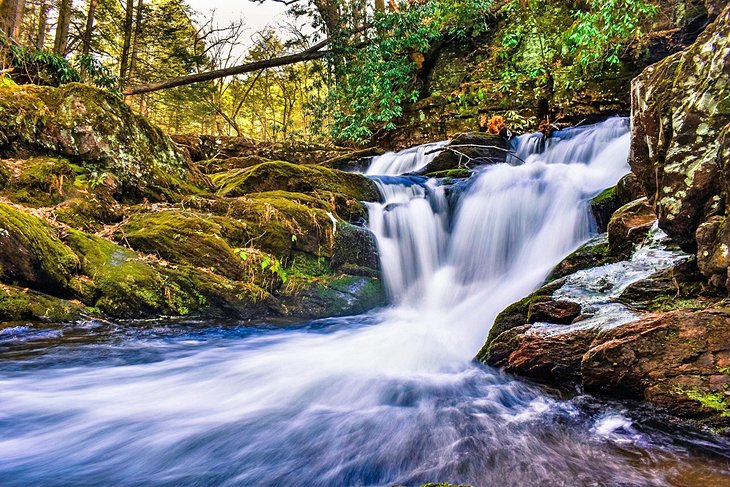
<point x="679" y="144"/>
<point x="33" y="255"/>
<point x="679" y="361"/>
<point x="98" y="131"/>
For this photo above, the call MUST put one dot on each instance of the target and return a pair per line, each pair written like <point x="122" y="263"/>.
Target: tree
<point x="64" y="21"/>
<point x="40" y="37"/>
<point x="11" y="17"/>
<point x="90" y="15"/>
<point x="127" y="33"/>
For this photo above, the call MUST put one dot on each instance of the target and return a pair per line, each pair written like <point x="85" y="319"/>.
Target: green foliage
<point x="600" y="32"/>
<point x="375" y="80"/>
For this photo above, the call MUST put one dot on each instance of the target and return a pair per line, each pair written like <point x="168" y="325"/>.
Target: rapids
<point x="390" y="397"/>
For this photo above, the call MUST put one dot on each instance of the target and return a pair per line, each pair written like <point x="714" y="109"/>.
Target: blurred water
<point x="390" y="397"/>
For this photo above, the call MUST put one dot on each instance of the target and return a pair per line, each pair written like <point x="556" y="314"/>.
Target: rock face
<point x="101" y="214"/>
<point x="680" y="145"/>
<point x="629" y="226"/>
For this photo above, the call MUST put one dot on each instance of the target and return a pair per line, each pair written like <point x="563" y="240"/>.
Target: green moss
<point x="593" y="254"/>
<point x="451" y="173"/>
<point x="185" y="237"/>
<point x="672" y="302"/>
<point x="279" y="175"/>
<point x="124" y="285"/>
<point x="43" y="181"/>
<point x="714" y="401"/>
<point x="605" y="197"/>
<point x="24" y="304"/>
<point x="307" y="266"/>
<point x="33" y="254"/>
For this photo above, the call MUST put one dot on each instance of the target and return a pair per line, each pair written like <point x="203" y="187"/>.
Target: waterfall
<point x="406" y="161"/>
<point x="390" y="397"/>
<point x="505" y="233"/>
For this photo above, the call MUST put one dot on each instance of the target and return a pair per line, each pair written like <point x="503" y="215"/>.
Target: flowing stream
<point x="390" y="397"/>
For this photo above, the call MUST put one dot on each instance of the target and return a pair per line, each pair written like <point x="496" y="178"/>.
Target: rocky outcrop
<point x="605" y="204"/>
<point x="468" y="80"/>
<point x="98" y="133"/>
<point x="680" y="146"/>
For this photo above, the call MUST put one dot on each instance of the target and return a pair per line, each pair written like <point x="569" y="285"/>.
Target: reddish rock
<point x="629" y="226"/>
<point x="558" y="312"/>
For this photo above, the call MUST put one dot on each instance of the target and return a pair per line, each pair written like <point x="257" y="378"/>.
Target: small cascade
<point x="405" y="161"/>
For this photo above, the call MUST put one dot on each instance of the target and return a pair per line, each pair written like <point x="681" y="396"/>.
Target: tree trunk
<point x="313" y="52"/>
<point x="86" y="48"/>
<point x="64" y="21"/>
<point x="135" y="43"/>
<point x="380" y="5"/>
<point x="124" y="58"/>
<point x="40" y="39"/>
<point x="11" y="17"/>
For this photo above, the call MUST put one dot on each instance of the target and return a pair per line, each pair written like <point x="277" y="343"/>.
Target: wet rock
<point x="605" y="204"/>
<point x="594" y="253"/>
<point x="680" y="281"/>
<point x="548" y="356"/>
<point x="356" y="251"/>
<point x="515" y="315"/>
<point x="17" y="303"/>
<point x="558" y="312"/>
<point x="33" y="255"/>
<point x="340" y="295"/>
<point x="679" y="361"/>
<point x="468" y="150"/>
<point x="680" y="113"/>
<point x="629" y="226"/>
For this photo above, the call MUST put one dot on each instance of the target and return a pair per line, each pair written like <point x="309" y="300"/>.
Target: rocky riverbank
<point x="101" y="214"/>
<point x="664" y="336"/>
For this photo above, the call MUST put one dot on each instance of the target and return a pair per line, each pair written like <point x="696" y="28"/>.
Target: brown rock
<point x="679" y="361"/>
<point x="629" y="225"/>
<point x="559" y="312"/>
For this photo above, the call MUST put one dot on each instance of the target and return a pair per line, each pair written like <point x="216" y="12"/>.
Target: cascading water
<point x="385" y="398"/>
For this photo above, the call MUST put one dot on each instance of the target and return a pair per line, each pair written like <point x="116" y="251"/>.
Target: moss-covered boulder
<point x="17" y="303"/>
<point x="98" y="131"/>
<point x="186" y="237"/>
<point x="284" y="176"/>
<point x="681" y="110"/>
<point x="338" y="295"/>
<point x="607" y="202"/>
<point x="513" y="316"/>
<point x="33" y="255"/>
<point x="40" y="181"/>
<point x="593" y="253"/>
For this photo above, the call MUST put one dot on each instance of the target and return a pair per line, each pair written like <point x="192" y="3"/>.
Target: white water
<point x="409" y="160"/>
<point x="385" y="398"/>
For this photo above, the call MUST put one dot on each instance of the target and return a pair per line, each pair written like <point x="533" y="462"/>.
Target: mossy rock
<point x="284" y="176"/>
<point x="515" y="315"/>
<point x="33" y="255"/>
<point x="278" y="222"/>
<point x="89" y="212"/>
<point x="17" y="303"/>
<point x="186" y="237"/>
<point x="42" y="181"/>
<point x="338" y="295"/>
<point x="98" y="131"/>
<point x="594" y="253"/>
